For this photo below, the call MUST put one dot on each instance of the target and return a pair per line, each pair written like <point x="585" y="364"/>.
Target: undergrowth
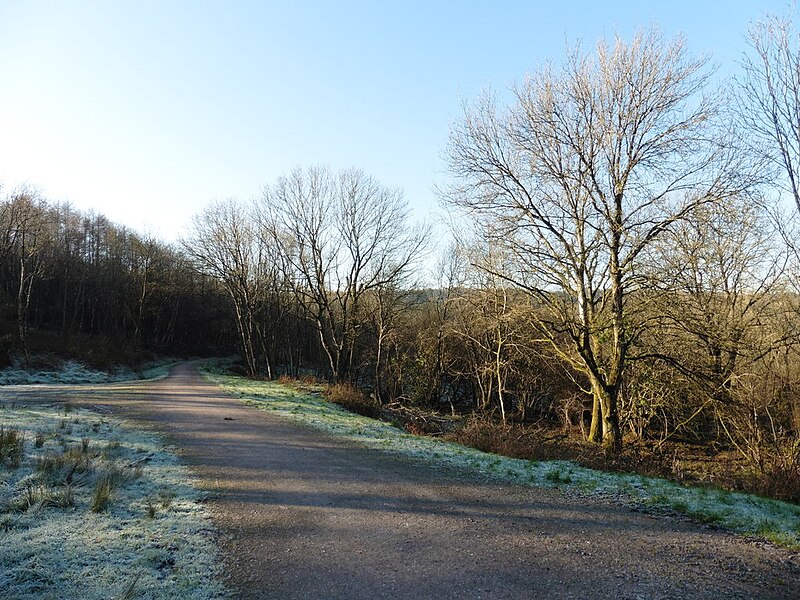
<point x="350" y="397"/>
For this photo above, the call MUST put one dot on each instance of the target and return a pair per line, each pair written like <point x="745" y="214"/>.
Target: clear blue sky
<point x="147" y="110"/>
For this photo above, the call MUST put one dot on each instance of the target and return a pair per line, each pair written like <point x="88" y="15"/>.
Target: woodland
<point x="622" y="290"/>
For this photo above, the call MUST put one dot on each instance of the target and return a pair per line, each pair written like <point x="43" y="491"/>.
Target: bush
<point x="781" y="481"/>
<point x="508" y="440"/>
<point x="350" y="397"/>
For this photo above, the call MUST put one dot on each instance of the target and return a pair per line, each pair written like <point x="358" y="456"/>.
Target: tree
<point x="343" y="237"/>
<point x="224" y="243"/>
<point x="488" y="323"/>
<point x="770" y="104"/>
<point x="591" y="163"/>
<point x="145" y="252"/>
<point x="725" y="315"/>
<point x="27" y="230"/>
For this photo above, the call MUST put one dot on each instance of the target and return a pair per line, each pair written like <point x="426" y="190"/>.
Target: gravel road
<point x="302" y="515"/>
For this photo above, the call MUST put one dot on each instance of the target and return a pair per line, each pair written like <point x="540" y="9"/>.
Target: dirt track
<point x="303" y="516"/>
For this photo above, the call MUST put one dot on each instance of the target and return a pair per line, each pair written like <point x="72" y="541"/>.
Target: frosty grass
<point x="774" y="520"/>
<point x="154" y="540"/>
<point x="72" y="371"/>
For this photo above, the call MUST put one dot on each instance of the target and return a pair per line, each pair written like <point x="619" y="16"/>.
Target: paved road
<point x="302" y="515"/>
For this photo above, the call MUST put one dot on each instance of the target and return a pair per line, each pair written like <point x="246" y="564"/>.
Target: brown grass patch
<point x="286" y="380"/>
<point x="350" y="397"/>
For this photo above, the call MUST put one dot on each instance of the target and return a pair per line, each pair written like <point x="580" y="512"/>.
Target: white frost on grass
<point x="155" y="536"/>
<point x="744" y="513"/>
<point x="74" y="372"/>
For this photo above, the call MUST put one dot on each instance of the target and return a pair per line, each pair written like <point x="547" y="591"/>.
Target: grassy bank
<point x="774" y="520"/>
<point x="91" y="508"/>
<point x="70" y="372"/>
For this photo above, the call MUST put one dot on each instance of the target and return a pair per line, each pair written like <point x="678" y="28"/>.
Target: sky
<point x="146" y="111"/>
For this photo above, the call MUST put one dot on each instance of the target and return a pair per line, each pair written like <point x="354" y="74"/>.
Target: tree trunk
<point x="595" y="431"/>
<point x="378" y="359"/>
<point x="612" y="435"/>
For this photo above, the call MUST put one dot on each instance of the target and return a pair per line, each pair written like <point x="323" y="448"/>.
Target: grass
<point x="747" y="514"/>
<point x="12" y="445"/>
<point x="76" y="518"/>
<point x="74" y="372"/>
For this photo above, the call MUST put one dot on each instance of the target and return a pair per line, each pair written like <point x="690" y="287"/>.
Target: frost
<point x="48" y="551"/>
<point x="74" y="372"/>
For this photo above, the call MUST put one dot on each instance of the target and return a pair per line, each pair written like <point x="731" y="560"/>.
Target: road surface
<point x="302" y="515"/>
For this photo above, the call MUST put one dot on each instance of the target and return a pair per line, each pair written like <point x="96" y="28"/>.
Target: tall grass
<point x="12" y="446"/>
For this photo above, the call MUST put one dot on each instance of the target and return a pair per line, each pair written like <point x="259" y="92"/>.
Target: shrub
<point x="781" y="481"/>
<point x="350" y="397"/>
<point x="490" y="436"/>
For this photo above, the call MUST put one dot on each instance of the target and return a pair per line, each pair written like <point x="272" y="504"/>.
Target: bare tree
<point x="144" y="253"/>
<point x="591" y="163"/>
<point x="343" y="236"/>
<point x="725" y="315"/>
<point x="770" y="104"/>
<point x="27" y="235"/>
<point x="224" y="243"/>
<point x="488" y="322"/>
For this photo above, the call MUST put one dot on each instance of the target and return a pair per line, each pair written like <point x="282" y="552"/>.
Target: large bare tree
<point x="590" y="164"/>
<point x="343" y="236"/>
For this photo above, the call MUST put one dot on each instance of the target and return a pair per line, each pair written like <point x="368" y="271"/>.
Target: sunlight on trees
<point x="770" y="105"/>
<point x="623" y="268"/>
<point x="344" y="241"/>
<point x="588" y="167"/>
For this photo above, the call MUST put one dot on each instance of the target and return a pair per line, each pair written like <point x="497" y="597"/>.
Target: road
<point x="302" y="515"/>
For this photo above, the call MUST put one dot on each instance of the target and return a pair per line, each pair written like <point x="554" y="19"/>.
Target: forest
<point x="621" y="289"/>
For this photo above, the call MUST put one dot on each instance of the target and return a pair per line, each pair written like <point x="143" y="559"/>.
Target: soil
<point x="304" y="515"/>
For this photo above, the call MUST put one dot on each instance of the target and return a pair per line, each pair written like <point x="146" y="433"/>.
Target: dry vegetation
<point x="680" y="461"/>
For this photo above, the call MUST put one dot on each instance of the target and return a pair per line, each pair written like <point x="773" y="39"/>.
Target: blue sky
<point x="147" y="110"/>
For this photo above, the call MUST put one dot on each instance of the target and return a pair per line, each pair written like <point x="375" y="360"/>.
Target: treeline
<point x="314" y="289"/>
<point x="77" y="285"/>
<point x="622" y="264"/>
